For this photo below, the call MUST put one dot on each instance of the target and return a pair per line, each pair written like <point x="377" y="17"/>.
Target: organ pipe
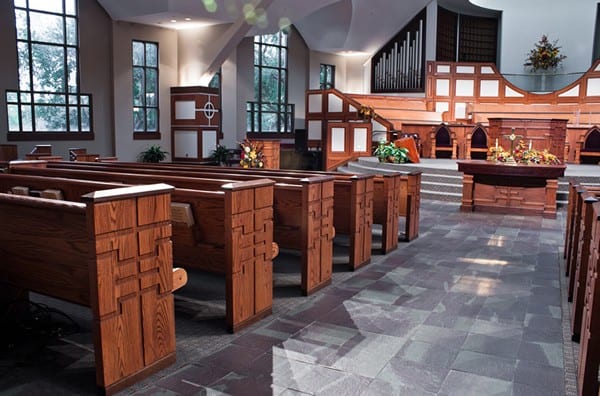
<point x="400" y="66"/>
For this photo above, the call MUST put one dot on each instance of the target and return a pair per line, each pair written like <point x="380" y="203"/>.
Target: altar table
<point x="510" y="188"/>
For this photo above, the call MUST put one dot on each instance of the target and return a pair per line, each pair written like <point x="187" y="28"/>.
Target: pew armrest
<point x="274" y="250"/>
<point x="180" y="278"/>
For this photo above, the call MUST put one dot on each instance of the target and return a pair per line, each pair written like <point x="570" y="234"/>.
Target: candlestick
<point x="529" y="144"/>
<point x="496" y="144"/>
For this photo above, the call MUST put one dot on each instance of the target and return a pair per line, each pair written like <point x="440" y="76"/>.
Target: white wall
<point x="524" y="22"/>
<point x="127" y="149"/>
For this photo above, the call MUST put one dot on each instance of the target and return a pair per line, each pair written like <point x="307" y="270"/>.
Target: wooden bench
<point x="302" y="211"/>
<point x="229" y="232"/>
<point x="583" y="256"/>
<point x="110" y="252"/>
<point x="388" y="204"/>
<point x="81" y="154"/>
<point x="352" y="204"/>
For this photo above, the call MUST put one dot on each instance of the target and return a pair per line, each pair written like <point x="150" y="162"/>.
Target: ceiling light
<point x="173" y="20"/>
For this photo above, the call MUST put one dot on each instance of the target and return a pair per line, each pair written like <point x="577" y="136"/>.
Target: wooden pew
<point x="302" y="212"/>
<point x="111" y="252"/>
<point x="353" y="196"/>
<point x="387" y="205"/>
<point x="577" y="282"/>
<point x="231" y="233"/>
<point x="589" y="351"/>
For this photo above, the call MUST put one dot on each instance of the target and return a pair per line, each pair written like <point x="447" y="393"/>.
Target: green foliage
<point x="388" y="152"/>
<point x="220" y="154"/>
<point x="153" y="154"/>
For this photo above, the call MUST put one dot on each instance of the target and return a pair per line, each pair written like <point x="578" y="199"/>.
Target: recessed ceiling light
<point x="188" y="19"/>
<point x="173" y="20"/>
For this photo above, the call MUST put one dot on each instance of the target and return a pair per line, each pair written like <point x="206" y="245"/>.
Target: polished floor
<point x="473" y="306"/>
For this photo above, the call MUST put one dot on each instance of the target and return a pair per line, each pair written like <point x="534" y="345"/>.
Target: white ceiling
<point x="326" y="25"/>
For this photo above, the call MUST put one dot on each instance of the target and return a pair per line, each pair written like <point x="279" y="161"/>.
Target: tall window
<point x="270" y="112"/>
<point x="327" y="76"/>
<point x="48" y="98"/>
<point x="145" y="88"/>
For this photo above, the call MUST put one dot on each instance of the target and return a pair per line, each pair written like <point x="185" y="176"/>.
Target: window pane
<point x="138" y="86"/>
<point x="283" y="39"/>
<point x="270" y="56"/>
<point x="46" y="28"/>
<point x="21" y="24"/>
<point x="151" y="120"/>
<point x="25" y="97"/>
<point x="73" y="99"/>
<point x="49" y="98"/>
<point x="85" y="99"/>
<point x="282" y="84"/>
<point x="20" y="3"/>
<point x="72" y="69"/>
<point x="73" y="119"/>
<point x="269" y="122"/>
<point x="12" y="97"/>
<point x="48" y="71"/>
<point x="71" y="31"/>
<point x="24" y="78"/>
<point x="26" y="118"/>
<point x="70" y="7"/>
<point x="46" y="5"/>
<point x="151" y="88"/>
<point x="138" y="53"/>
<point x="283" y="57"/>
<point x="151" y="55"/>
<point x="270" y="85"/>
<point x="85" y="119"/>
<point x="139" y="119"/>
<point x="256" y="54"/>
<point x="13" y="117"/>
<point x="51" y="118"/>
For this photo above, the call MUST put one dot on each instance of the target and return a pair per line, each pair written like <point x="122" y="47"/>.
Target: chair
<point x="588" y="147"/>
<point x="443" y="143"/>
<point x="477" y="144"/>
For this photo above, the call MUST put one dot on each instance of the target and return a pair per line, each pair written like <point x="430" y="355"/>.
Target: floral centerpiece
<point x="367" y="113"/>
<point x="521" y="154"/>
<point x="252" y="154"/>
<point x="544" y="55"/>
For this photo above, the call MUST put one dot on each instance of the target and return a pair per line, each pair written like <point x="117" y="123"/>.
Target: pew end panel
<point x="112" y="253"/>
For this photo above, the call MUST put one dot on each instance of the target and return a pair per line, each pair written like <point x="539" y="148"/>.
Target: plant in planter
<point x="153" y="153"/>
<point x="389" y="152"/>
<point x="220" y="155"/>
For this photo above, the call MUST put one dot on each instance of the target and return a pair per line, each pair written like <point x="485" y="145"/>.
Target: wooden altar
<point x="543" y="134"/>
<point x="503" y="188"/>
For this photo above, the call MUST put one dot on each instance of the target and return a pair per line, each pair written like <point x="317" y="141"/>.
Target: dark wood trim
<point x="146" y="135"/>
<point x="37" y="136"/>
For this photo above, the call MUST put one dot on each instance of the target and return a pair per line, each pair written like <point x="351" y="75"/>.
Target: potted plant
<point x="153" y="153"/>
<point x="220" y="155"/>
<point x="389" y="152"/>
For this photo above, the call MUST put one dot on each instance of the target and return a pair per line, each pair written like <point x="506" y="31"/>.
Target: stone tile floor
<point x="473" y="306"/>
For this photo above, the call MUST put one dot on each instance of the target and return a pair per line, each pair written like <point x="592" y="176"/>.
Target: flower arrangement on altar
<point x="252" y="154"/>
<point x="544" y="55"/>
<point x="367" y="113"/>
<point x="522" y="154"/>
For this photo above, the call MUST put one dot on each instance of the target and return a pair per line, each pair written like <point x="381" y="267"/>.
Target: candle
<point x="529" y="144"/>
<point x="496" y="144"/>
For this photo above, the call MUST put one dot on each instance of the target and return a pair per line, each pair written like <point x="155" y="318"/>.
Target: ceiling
<point x="335" y="26"/>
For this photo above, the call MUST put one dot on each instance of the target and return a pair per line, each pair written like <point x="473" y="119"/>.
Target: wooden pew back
<point x="112" y="253"/>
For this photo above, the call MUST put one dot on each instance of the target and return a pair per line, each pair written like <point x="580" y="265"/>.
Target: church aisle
<point x="471" y="307"/>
